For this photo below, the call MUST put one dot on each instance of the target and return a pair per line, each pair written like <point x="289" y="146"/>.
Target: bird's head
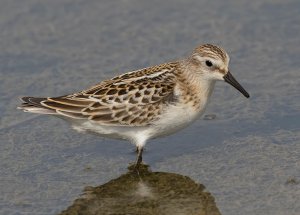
<point x="212" y="64"/>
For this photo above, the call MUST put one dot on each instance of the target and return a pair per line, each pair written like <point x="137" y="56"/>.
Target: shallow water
<point x="248" y="157"/>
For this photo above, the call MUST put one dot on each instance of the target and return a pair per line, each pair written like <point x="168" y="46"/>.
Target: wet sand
<point x="247" y="155"/>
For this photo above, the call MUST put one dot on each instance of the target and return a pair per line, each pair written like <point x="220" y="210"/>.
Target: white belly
<point x="172" y="119"/>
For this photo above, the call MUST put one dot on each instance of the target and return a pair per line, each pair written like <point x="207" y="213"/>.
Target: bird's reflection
<point x="146" y="192"/>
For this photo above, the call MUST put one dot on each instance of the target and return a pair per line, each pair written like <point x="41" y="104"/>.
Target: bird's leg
<point x="139" y="156"/>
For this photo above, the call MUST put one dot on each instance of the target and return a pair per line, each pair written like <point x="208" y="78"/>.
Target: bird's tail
<point x="33" y="105"/>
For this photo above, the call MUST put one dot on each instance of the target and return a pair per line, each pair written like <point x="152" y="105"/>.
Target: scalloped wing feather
<point x="133" y="99"/>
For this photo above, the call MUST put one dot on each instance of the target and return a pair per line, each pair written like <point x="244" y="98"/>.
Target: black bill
<point x="231" y="80"/>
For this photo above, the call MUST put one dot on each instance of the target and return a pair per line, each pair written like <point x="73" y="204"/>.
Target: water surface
<point x="248" y="157"/>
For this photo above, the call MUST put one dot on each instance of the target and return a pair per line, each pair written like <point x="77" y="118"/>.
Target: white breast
<point x="173" y="119"/>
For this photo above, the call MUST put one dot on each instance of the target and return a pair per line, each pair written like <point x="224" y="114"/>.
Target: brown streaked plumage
<point x="146" y="103"/>
<point x="212" y="51"/>
<point x="143" y="94"/>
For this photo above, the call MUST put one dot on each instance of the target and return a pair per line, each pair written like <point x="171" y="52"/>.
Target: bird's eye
<point x="208" y="63"/>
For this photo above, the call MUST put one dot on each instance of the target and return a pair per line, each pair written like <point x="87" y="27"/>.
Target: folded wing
<point x="132" y="99"/>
